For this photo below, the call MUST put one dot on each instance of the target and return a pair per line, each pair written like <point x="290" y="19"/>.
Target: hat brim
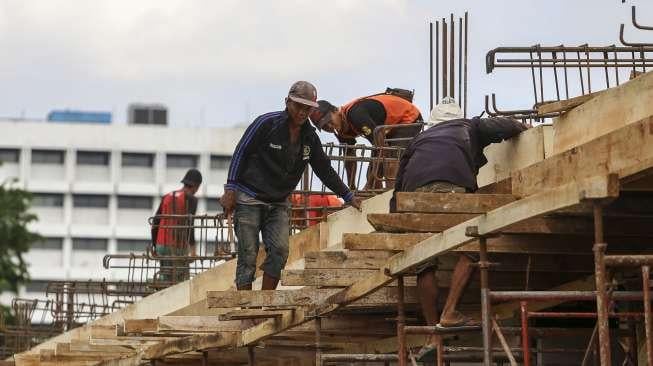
<point x="304" y="101"/>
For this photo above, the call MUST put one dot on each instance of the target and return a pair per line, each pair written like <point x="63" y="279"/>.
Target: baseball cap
<point x="446" y="110"/>
<point x="303" y="92"/>
<point x="322" y="115"/>
<point x="193" y="177"/>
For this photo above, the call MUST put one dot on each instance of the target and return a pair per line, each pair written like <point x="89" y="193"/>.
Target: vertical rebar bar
<point x="460" y="62"/>
<point x="401" y="321"/>
<point x="601" y="291"/>
<point x="533" y="76"/>
<point x="437" y="62"/>
<point x="430" y="66"/>
<point x="465" y="66"/>
<point x="554" y="56"/>
<point x="445" y="87"/>
<point x="564" y="63"/>
<point x="485" y="303"/>
<point x="251" y="360"/>
<point x="525" y="341"/>
<point x="648" y="322"/>
<point x="452" y="68"/>
<point x="539" y="59"/>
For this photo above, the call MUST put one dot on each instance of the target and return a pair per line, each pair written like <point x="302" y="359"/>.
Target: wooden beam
<point x="415" y="222"/>
<point x="359" y="259"/>
<point x="328" y="277"/>
<point x="253" y="314"/>
<point x="197" y="323"/>
<point x="192" y="343"/>
<point x="382" y="241"/>
<point x="140" y="326"/>
<point x="303" y="297"/>
<point x="564" y="105"/>
<point x="271" y="327"/>
<point x="625" y="152"/>
<point x="450" y="202"/>
<point x="611" y="110"/>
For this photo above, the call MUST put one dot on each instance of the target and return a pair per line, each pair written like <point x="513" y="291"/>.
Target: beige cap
<point x="303" y="92"/>
<point x="446" y="110"/>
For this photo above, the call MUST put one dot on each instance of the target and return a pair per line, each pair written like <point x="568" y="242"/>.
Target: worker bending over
<point x="446" y="158"/>
<point x="359" y="118"/>
<point x="266" y="166"/>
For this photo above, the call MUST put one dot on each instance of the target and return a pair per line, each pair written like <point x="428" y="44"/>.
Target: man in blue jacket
<point x="266" y="167"/>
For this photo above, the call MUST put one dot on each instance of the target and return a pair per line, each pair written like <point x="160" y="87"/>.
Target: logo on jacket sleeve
<point x="306" y="154"/>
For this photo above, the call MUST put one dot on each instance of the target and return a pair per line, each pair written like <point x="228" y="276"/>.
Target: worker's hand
<point x="356" y="202"/>
<point x="228" y="202"/>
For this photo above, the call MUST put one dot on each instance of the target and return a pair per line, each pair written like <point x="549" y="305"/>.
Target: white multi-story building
<point x="95" y="185"/>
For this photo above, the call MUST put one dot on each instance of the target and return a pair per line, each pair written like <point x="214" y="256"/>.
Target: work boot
<point x="457" y="319"/>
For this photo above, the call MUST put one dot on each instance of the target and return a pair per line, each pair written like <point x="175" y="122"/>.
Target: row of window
<point x="102" y="201"/>
<point x="91" y="244"/>
<point x="102" y="158"/>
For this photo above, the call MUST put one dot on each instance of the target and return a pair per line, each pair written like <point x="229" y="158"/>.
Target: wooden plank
<point x="359" y="259"/>
<point x="326" y="277"/>
<point x="450" y="202"/>
<point x="382" y="241"/>
<point x="253" y="314"/>
<point x="624" y="152"/>
<point x="197" y="323"/>
<point x="273" y="326"/>
<point x="564" y="105"/>
<point x="416" y="222"/>
<point x="140" y="325"/>
<point x="611" y="110"/>
<point x="192" y="343"/>
<point x="302" y="297"/>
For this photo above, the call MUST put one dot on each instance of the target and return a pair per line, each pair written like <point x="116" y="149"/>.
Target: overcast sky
<point x="222" y="62"/>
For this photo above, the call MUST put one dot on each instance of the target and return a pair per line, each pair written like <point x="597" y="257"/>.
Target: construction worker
<point x="174" y="236"/>
<point x="317" y="204"/>
<point x="359" y="118"/>
<point x="446" y="158"/>
<point x="267" y="164"/>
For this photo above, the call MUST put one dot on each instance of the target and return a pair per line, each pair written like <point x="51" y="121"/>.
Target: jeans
<point x="172" y="271"/>
<point x="271" y="220"/>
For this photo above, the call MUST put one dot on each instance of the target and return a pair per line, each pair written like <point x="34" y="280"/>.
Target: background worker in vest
<point x="446" y="158"/>
<point x="314" y="209"/>
<point x="267" y="164"/>
<point x="359" y="118"/>
<point x="169" y="240"/>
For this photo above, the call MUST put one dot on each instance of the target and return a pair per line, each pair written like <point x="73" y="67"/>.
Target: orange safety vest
<point x="397" y="111"/>
<point x="174" y="203"/>
<point x="314" y="200"/>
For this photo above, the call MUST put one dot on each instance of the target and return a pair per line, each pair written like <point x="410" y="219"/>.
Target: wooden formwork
<point x="537" y="227"/>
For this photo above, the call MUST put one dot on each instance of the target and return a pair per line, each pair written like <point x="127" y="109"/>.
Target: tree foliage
<point x="15" y="238"/>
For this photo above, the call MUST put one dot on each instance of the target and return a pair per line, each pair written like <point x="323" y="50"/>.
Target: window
<point x="181" y="161"/>
<point x="9" y="155"/>
<point x="92" y="158"/>
<point x="47" y="200"/>
<point x="212" y="205"/>
<point x="90" y="200"/>
<point x="220" y="162"/>
<point x="36" y="286"/>
<point x="159" y="116"/>
<point x="137" y="202"/>
<point x="142" y="160"/>
<point x="133" y="246"/>
<point x="48" y="244"/>
<point x="47" y="157"/>
<point x="99" y="245"/>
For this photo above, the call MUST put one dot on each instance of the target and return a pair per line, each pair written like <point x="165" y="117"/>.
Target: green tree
<point x="15" y="238"/>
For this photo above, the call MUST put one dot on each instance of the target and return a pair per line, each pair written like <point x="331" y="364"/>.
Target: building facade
<point x="95" y="185"/>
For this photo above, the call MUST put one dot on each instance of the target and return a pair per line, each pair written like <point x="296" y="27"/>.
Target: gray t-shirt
<point x="243" y="198"/>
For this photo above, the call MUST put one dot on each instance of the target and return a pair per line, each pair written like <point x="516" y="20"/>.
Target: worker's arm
<point x="155" y="225"/>
<point x="322" y="167"/>
<point x="247" y="144"/>
<point x="496" y="129"/>
<point x="350" y="165"/>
